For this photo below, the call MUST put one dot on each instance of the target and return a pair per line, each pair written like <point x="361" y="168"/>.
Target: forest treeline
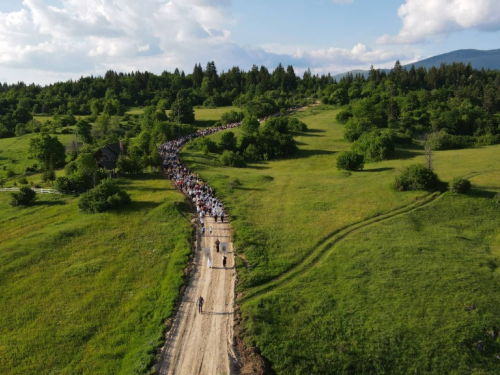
<point x="453" y="100"/>
<point x="455" y="105"/>
<point x="260" y="91"/>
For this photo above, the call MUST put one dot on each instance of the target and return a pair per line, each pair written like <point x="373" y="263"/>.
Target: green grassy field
<point x="14" y="153"/>
<point x="206" y="117"/>
<point x="342" y="274"/>
<point x="88" y="294"/>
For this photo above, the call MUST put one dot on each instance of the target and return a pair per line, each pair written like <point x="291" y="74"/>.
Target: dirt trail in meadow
<point x="203" y="343"/>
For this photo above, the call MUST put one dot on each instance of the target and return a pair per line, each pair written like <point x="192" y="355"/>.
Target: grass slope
<point x="14" y="151"/>
<point x="412" y="295"/>
<point x="88" y="294"/>
<point x="344" y="275"/>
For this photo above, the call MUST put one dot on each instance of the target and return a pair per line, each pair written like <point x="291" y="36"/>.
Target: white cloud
<point x="92" y="36"/>
<point x="423" y="19"/>
<point x="342" y="1"/>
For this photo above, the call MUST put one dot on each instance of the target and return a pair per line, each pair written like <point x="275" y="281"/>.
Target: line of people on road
<point x="202" y="195"/>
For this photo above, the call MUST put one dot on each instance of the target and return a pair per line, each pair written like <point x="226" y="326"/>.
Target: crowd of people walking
<point x="203" y="196"/>
<point x="188" y="182"/>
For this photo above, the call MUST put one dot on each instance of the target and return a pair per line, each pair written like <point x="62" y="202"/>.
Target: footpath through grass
<point x="88" y="294"/>
<point x="409" y="294"/>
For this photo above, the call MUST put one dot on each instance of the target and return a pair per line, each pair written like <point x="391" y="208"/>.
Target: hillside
<point x="90" y="293"/>
<point x="341" y="274"/>
<point x="479" y="59"/>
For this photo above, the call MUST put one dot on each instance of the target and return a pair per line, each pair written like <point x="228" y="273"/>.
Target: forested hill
<point x="455" y="98"/>
<point x="478" y="59"/>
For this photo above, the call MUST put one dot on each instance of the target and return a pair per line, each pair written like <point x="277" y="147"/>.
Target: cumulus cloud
<point x="423" y="19"/>
<point x="95" y="32"/>
<point x="89" y="37"/>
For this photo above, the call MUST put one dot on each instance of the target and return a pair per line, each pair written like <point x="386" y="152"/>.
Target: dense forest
<point x="456" y="101"/>
<point x="259" y="90"/>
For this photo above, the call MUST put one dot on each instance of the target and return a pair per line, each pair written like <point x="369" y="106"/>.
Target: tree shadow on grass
<point x="257" y="167"/>
<point x="311" y="133"/>
<point x="377" y="170"/>
<point x="315" y="131"/>
<point x="48" y="203"/>
<point x="406" y="153"/>
<point x="481" y="193"/>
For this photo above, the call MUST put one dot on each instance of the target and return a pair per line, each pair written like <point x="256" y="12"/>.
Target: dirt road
<point x="203" y="343"/>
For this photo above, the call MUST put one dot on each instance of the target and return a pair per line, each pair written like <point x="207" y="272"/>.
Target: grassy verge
<point x="89" y="293"/>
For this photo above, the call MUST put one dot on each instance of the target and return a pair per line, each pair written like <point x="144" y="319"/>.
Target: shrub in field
<point x="230" y="117"/>
<point x="228" y="141"/>
<point x="487" y="139"/>
<point x="64" y="185"/>
<point x="295" y="125"/>
<point x="343" y="116"/>
<point x="232" y="159"/>
<point x="460" y="185"/>
<point x="24" y="197"/>
<point x="375" y="146"/>
<point x="48" y="175"/>
<point x="416" y="177"/>
<point x="444" y="141"/>
<point x="199" y="144"/>
<point x="23" y="181"/>
<point x="104" y="197"/>
<point x="355" y="127"/>
<point x="350" y="161"/>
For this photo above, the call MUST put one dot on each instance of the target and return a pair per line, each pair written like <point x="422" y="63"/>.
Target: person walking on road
<point x="211" y="230"/>
<point x="201" y="301"/>
<point x="222" y="217"/>
<point x="217" y="243"/>
<point x="224" y="260"/>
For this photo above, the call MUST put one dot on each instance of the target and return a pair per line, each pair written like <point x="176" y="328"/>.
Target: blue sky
<point x="44" y="41"/>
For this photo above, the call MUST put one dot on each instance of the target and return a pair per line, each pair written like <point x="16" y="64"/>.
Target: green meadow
<point x="341" y="274"/>
<point x="207" y="117"/>
<point x="14" y="152"/>
<point x="338" y="273"/>
<point x="89" y="294"/>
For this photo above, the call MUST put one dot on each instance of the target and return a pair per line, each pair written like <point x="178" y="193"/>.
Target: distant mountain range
<point x="479" y="59"/>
